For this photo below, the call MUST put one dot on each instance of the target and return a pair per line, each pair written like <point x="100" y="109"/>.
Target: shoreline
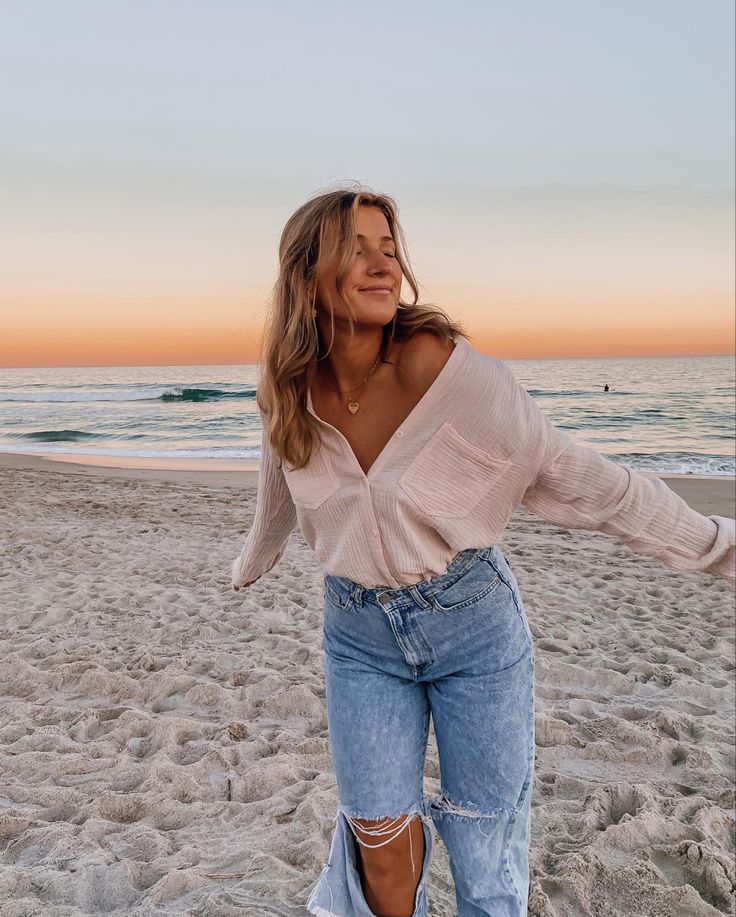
<point x="708" y="494"/>
<point x="215" y="472"/>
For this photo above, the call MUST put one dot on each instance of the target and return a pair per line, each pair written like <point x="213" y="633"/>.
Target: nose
<point x="380" y="263"/>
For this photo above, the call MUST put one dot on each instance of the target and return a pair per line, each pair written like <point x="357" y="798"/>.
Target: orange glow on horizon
<point x="528" y="325"/>
<point x="216" y="346"/>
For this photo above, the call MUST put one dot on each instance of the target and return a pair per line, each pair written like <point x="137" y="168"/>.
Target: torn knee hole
<point x="443" y="804"/>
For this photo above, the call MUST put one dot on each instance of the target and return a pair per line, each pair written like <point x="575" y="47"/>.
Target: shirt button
<point x="375" y="531"/>
<point x="399" y="432"/>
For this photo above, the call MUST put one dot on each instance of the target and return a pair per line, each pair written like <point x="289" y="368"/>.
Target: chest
<point x="380" y="415"/>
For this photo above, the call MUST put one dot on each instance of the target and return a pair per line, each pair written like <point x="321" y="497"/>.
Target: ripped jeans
<point x="457" y="645"/>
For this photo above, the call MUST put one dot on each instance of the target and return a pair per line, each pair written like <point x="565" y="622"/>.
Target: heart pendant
<point x="353" y="406"/>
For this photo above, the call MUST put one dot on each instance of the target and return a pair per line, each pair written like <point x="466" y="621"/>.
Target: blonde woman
<point x="402" y="452"/>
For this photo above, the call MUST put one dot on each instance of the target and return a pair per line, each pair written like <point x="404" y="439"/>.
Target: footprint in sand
<point x="609" y="805"/>
<point x="709" y="872"/>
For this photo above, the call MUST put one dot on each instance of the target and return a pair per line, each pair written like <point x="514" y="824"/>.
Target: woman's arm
<point x="274" y="520"/>
<point x="578" y="488"/>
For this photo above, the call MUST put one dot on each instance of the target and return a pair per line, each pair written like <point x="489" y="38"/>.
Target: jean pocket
<point x="337" y="598"/>
<point x="477" y="582"/>
<point x="450" y="475"/>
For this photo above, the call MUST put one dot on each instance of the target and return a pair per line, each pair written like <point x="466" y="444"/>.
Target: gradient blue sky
<point x="564" y="171"/>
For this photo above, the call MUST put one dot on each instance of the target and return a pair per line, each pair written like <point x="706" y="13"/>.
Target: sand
<point x="163" y="740"/>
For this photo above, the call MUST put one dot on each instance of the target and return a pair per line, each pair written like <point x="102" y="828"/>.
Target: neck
<point x="350" y="360"/>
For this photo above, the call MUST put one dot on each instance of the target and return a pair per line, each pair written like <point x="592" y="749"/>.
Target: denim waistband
<point x="459" y="564"/>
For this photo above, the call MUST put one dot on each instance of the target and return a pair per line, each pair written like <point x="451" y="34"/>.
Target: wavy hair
<point x="319" y="233"/>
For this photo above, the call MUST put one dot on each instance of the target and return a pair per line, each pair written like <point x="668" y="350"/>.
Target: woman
<point x="402" y="453"/>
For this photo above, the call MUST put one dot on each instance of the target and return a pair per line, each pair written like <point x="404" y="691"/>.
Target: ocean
<point x="661" y="414"/>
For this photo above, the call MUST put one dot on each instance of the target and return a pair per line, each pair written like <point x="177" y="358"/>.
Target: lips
<point x="375" y="290"/>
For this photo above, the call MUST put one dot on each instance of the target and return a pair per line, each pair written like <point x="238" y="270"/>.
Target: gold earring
<point x="314" y="313"/>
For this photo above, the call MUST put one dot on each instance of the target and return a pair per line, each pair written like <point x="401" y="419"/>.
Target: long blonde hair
<point x="317" y="233"/>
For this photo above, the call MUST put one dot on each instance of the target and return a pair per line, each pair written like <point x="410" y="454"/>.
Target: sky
<point x="564" y="171"/>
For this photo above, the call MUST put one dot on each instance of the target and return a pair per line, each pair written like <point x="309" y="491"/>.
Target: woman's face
<point x="374" y="266"/>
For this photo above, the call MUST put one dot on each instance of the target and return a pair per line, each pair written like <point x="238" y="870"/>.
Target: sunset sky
<point x="564" y="171"/>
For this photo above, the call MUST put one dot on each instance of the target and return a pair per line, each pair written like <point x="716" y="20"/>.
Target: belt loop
<point x="357" y="595"/>
<point x="467" y="561"/>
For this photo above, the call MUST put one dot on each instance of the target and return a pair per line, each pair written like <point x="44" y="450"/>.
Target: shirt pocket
<point x="449" y="476"/>
<point x="312" y="485"/>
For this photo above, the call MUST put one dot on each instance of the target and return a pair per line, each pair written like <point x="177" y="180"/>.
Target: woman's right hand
<point x="236" y="576"/>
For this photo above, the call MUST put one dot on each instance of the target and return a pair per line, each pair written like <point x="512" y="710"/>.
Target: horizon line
<point x="637" y="356"/>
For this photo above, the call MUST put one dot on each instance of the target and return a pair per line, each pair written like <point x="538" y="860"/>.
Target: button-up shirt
<point x="474" y="448"/>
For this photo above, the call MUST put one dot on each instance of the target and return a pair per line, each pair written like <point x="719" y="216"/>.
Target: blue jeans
<point x="457" y="645"/>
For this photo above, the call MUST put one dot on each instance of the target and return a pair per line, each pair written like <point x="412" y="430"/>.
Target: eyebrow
<point x="383" y="238"/>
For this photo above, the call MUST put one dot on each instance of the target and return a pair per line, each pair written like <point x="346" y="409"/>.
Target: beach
<point x="163" y="739"/>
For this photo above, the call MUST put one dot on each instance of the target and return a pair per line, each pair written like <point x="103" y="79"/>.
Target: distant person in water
<point x="605" y="387"/>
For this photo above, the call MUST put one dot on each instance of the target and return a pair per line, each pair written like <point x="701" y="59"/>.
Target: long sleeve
<point x="576" y="487"/>
<point x="273" y="522"/>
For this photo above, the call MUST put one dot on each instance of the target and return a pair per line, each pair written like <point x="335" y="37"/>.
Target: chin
<point x="382" y="315"/>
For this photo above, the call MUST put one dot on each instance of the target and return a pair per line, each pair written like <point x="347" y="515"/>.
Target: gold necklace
<point x="354" y="405"/>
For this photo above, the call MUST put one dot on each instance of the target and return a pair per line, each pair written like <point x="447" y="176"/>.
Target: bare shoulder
<point x="423" y="355"/>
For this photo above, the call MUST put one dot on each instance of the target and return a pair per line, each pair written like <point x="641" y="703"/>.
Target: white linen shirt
<point x="474" y="448"/>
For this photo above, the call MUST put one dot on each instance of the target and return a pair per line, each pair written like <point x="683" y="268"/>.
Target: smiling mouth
<point x="382" y="292"/>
